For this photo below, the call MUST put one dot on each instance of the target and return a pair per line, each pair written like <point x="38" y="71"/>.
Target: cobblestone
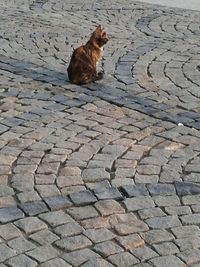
<point x="78" y="257"/>
<point x="130" y="241"/>
<point x="108" y="248"/>
<point x="73" y="243"/>
<point x="167" y="261"/>
<point x="6" y="252"/>
<point x="10" y="214"/>
<point x="22" y="260"/>
<point x="105" y="174"/>
<point x="123" y="259"/>
<point x="99" y="235"/>
<point x="9" y="231"/>
<point x="108" y="207"/>
<point x="30" y="225"/>
<point x="139" y="203"/>
<point x="44" y="237"/>
<point x="68" y="229"/>
<point x="56" y="218"/>
<point x="43" y="253"/>
<point x="144" y="253"/>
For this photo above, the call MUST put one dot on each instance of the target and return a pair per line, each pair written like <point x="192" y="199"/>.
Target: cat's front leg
<point x="100" y="75"/>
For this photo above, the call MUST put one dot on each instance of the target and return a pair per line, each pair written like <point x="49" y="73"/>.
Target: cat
<point x="82" y="68"/>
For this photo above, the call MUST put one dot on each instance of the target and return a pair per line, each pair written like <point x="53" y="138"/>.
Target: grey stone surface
<point x="83" y="198"/>
<point x="108" y="207"/>
<point x="135" y="190"/>
<point x="73" y="243"/>
<point x="43" y="253"/>
<point x="10" y="214"/>
<point x="187" y="188"/>
<point x="78" y="257"/>
<point x="108" y="248"/>
<point x="55" y="263"/>
<point x="58" y="202"/>
<point x="99" y="235"/>
<point x="80" y="213"/>
<point x="22" y="260"/>
<point x="30" y="225"/>
<point x="44" y="237"/>
<point x="157" y="236"/>
<point x="6" y="252"/>
<point x="20" y="245"/>
<point x="68" y="229"/>
<point x="123" y="259"/>
<point x="164" y="222"/>
<point x="108" y="193"/>
<point x="104" y="174"/>
<point x="139" y="203"/>
<point x="9" y="231"/>
<point x="55" y="218"/>
<point x="34" y="208"/>
<point x="167" y="261"/>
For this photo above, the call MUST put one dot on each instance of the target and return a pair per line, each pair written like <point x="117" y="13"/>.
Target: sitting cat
<point x="83" y="65"/>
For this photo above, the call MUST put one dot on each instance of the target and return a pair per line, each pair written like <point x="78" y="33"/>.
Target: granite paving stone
<point x="30" y="224"/>
<point x="143" y="253"/>
<point x="58" y="202"/>
<point x="190" y="256"/>
<point x="99" y="235"/>
<point x="151" y="213"/>
<point x="167" y="261"/>
<point x="20" y="245"/>
<point x="166" y="248"/>
<point x="185" y="231"/>
<point x="130" y="241"/>
<point x="157" y="236"/>
<point x="78" y="257"/>
<point x="73" y="243"/>
<point x="190" y="219"/>
<point x="21" y="260"/>
<point x="43" y="253"/>
<point x="6" y="252"/>
<point x="68" y="229"/>
<point x="97" y="262"/>
<point x="188" y="242"/>
<point x="108" y="248"/>
<point x="123" y="259"/>
<point x="135" y="190"/>
<point x="83" y="198"/>
<point x="97" y="222"/>
<point x="127" y="224"/>
<point x="58" y="262"/>
<point x="80" y="213"/>
<point x="9" y="231"/>
<point x="139" y="203"/>
<point x="55" y="218"/>
<point x="10" y="214"/>
<point x="44" y="237"/>
<point x="108" y="193"/>
<point x="33" y="208"/>
<point x="108" y="207"/>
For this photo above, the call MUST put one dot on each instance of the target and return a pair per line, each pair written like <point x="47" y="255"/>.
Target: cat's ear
<point x="98" y="27"/>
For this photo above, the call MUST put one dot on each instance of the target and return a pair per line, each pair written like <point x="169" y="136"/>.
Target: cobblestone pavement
<point x="107" y="174"/>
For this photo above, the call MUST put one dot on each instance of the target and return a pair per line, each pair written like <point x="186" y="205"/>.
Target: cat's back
<point x="78" y="66"/>
<point x="79" y="53"/>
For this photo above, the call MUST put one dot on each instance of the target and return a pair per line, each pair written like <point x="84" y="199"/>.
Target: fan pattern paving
<point x="107" y="174"/>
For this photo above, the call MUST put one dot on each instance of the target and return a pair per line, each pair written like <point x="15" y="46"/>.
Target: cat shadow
<point x="30" y="70"/>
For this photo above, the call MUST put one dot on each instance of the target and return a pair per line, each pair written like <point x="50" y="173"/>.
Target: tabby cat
<point x="83" y="64"/>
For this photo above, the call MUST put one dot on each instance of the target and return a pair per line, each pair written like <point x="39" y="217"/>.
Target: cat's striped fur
<point x="83" y="64"/>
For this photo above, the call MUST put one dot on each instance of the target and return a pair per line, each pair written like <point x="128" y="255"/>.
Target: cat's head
<point x="100" y="36"/>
